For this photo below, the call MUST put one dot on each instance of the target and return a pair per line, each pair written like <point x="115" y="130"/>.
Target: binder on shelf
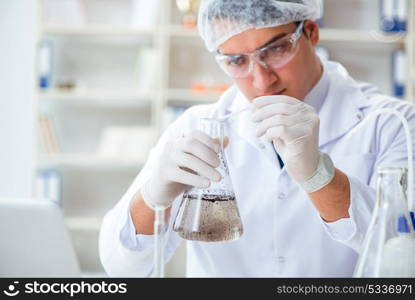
<point x="320" y="21"/>
<point x="394" y="15"/>
<point x="47" y="134"/>
<point x="45" y="64"/>
<point x="401" y="14"/>
<point x="399" y="72"/>
<point x="48" y="184"/>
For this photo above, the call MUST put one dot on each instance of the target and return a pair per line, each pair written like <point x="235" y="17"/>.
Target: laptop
<point x="35" y="241"/>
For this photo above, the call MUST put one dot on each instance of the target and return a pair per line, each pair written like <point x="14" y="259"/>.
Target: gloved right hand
<point x="184" y="162"/>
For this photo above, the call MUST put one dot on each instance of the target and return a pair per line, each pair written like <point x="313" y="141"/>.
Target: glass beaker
<point x="389" y="245"/>
<point x="210" y="214"/>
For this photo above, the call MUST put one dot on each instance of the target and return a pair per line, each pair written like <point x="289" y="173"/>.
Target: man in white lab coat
<point x="305" y="211"/>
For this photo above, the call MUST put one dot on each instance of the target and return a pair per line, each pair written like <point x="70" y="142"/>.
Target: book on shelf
<point x="47" y="135"/>
<point x="45" y="64"/>
<point x="320" y="21"/>
<point x="48" y="185"/>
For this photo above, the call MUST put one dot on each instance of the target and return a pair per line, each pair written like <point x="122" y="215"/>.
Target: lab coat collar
<point x="238" y="102"/>
<point x="318" y="93"/>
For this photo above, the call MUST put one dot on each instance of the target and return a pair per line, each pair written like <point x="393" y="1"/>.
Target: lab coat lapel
<point x="341" y="110"/>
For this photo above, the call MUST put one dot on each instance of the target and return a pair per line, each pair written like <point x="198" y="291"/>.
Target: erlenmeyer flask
<point x="210" y="214"/>
<point x="389" y="245"/>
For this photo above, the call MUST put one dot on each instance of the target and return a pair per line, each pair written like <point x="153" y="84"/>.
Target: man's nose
<point x="263" y="77"/>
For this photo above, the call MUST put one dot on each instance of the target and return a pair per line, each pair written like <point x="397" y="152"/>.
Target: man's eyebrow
<point x="274" y="39"/>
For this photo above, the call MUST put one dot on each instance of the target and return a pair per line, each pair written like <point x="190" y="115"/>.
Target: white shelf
<point x="326" y="35"/>
<point x="97" y="31"/>
<point x="88" y="161"/>
<point x="99" y="98"/>
<point x="361" y="36"/>
<point x="83" y="223"/>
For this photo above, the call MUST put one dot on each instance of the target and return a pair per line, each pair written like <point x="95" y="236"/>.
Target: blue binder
<point x="399" y="72"/>
<point x="320" y="21"/>
<point x="45" y="64"/>
<point x="49" y="185"/>
<point x="394" y="15"/>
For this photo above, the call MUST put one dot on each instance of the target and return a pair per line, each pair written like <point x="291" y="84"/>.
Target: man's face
<point x="294" y="79"/>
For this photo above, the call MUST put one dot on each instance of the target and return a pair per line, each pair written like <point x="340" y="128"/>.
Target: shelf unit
<point x="181" y="58"/>
<point x="99" y="98"/>
<point x="97" y="30"/>
<point x="83" y="161"/>
<point x="326" y="35"/>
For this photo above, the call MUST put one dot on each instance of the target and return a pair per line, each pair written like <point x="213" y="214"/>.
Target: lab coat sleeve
<point x="130" y="240"/>
<point x="350" y="231"/>
<point x="122" y="253"/>
<point x="389" y="136"/>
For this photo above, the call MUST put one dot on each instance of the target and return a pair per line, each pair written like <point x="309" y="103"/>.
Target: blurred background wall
<point x="18" y="23"/>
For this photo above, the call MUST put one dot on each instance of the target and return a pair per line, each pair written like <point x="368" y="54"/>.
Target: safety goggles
<point x="272" y="56"/>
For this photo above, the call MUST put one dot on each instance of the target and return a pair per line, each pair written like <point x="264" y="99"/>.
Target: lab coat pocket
<point x="360" y="166"/>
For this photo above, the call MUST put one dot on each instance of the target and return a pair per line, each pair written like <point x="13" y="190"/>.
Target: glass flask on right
<point x="389" y="245"/>
<point x="211" y="214"/>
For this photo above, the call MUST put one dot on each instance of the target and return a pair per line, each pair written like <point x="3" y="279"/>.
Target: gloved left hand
<point x="293" y="127"/>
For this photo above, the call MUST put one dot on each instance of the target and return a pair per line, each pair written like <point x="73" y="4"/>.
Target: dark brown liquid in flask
<point x="211" y="214"/>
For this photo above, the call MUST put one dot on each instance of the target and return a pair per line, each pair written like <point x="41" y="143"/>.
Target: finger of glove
<point x="225" y="141"/>
<point x="287" y="134"/>
<point x="279" y="145"/>
<point x="205" y="139"/>
<point x="273" y="109"/>
<point x="278" y="120"/>
<point x="179" y="175"/>
<point x="200" y="150"/>
<point x="267" y="100"/>
<point x="197" y="165"/>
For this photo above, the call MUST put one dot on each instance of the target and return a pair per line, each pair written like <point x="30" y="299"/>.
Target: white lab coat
<point x="284" y="235"/>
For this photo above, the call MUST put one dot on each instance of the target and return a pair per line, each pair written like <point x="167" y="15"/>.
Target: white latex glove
<point x="293" y="127"/>
<point x="184" y="162"/>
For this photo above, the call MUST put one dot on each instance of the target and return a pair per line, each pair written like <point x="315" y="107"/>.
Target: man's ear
<point x="312" y="32"/>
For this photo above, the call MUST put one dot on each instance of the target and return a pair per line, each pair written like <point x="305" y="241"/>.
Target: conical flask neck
<point x="392" y="187"/>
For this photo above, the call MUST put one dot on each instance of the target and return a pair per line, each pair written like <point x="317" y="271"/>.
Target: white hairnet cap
<point x="219" y="20"/>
